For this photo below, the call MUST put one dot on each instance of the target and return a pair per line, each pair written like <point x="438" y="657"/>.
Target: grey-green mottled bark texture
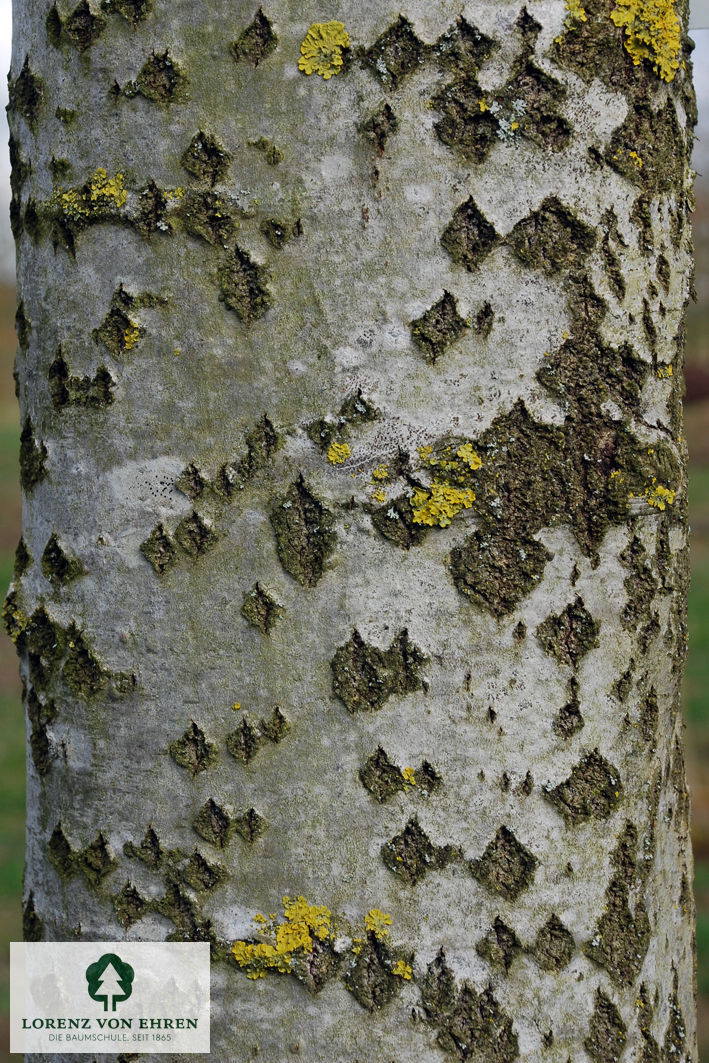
<point x="354" y="556"/>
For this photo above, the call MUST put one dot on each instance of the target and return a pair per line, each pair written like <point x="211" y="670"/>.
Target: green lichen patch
<point x="552" y="239"/>
<point x="380" y="125"/>
<point x="396" y="53"/>
<point x="370" y="978"/>
<point x="23" y="559"/>
<point x="243" y="286"/>
<point x="160" y="80"/>
<point x="467" y="128"/>
<point x="593" y="790"/>
<point x="206" y="159"/>
<point x="57" y="566"/>
<point x="363" y="676"/>
<point x="395" y="521"/>
<point x="649" y="148"/>
<point x="83" y="26"/>
<point x="206" y="215"/>
<point x="256" y="42"/>
<point x="129" y="905"/>
<point x="159" y="549"/>
<point x="59" y="169"/>
<point x="32" y="922"/>
<point x="61" y="853"/>
<point x="261" y="609"/>
<point x="33" y="457"/>
<point x="213" y="823"/>
<point x="41" y="713"/>
<point x="411" y="854"/>
<point x="194" y="536"/>
<point x="553" y="945"/>
<point x="193" y="750"/>
<point x="471" y="1026"/>
<point x="499" y="946"/>
<point x="439" y="327"/>
<point x="607" y="1033"/>
<point x="94" y="392"/>
<point x="83" y="672"/>
<point x="304" y="531"/>
<point x="506" y="866"/>
<point x="250" y="825"/>
<point x="469" y="237"/>
<point x="383" y="778"/>
<point x="463" y="48"/>
<point x="26" y="94"/>
<point x="495" y="571"/>
<point x="150" y="851"/>
<point x="202" y="876"/>
<point x="271" y="153"/>
<point x="278" y="232"/>
<point x="569" y="719"/>
<point x="191" y="482"/>
<point x="568" y="636"/>
<point x="538" y="97"/>
<point x="23" y="327"/>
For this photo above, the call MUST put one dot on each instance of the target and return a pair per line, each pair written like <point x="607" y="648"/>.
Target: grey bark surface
<point x="356" y="402"/>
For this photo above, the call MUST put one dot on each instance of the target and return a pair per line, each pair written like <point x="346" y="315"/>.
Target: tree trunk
<point x="351" y="595"/>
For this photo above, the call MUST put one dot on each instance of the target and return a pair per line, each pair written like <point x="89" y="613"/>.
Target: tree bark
<point x="350" y="602"/>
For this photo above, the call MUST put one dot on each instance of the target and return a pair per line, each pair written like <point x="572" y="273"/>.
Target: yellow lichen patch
<point x="637" y="161"/>
<point x="663" y="372"/>
<point x="576" y="12"/>
<point x="402" y="970"/>
<point x="321" y="51"/>
<point x="425" y="452"/>
<point x="131" y="336"/>
<point x="102" y="194"/>
<point x="652" y="32"/>
<point x="657" y="496"/>
<point x="303" y="921"/>
<point x="236" y="706"/>
<point x="409" y="777"/>
<point x="379" y="495"/>
<point x="440" y="503"/>
<point x="377" y="922"/>
<point x="469" y="456"/>
<point x="380" y="473"/>
<point x="338" y="453"/>
<point x="483" y="105"/>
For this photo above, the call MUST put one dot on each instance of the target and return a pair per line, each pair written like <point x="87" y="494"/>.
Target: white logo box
<point x="109" y="997"/>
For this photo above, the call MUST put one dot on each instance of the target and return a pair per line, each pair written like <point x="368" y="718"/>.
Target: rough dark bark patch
<point x="439" y="327"/>
<point x="159" y="549"/>
<point x="569" y="635"/>
<point x="496" y="572"/>
<point x="206" y="215"/>
<point x="411" y="854"/>
<point x="88" y="391"/>
<point x="26" y="94"/>
<point x="499" y="946"/>
<point x="506" y="866"/>
<point x="370" y="979"/>
<point x="33" y="457"/>
<point x="206" y="159"/>
<point x="380" y="125"/>
<point x="193" y="750"/>
<point x="83" y="672"/>
<point x="213" y="823"/>
<point x="243" y="286"/>
<point x="250" y="825"/>
<point x="607" y="1033"/>
<point x="569" y="719"/>
<point x="363" y="676"/>
<point x="593" y="790"/>
<point x="552" y="238"/>
<point x="463" y="127"/>
<point x="194" y="536"/>
<point x="396" y="54"/>
<point x="304" y="531"/>
<point x="96" y="860"/>
<point x="261" y="609"/>
<point x="83" y="26"/>
<point x="469" y="237"/>
<point x="554" y="945"/>
<point x="23" y="560"/>
<point x="160" y="80"/>
<point x="383" y="778"/>
<point x="395" y="521"/>
<point x="463" y="48"/>
<point x="256" y="42"/>
<point x="32" y="922"/>
<point x="58" y="566"/>
<point x="129" y="905"/>
<point x="23" y="327"/>
<point x="150" y="851"/>
<point x="200" y="875"/>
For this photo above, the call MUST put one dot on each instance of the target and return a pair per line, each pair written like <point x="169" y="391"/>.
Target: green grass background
<point x="12" y="726"/>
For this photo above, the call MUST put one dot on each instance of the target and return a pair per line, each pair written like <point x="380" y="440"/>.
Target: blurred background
<point x="696" y="690"/>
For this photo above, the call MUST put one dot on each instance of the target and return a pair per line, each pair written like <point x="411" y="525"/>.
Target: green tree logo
<point x="110" y="980"/>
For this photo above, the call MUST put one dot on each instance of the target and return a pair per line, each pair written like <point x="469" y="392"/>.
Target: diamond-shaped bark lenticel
<point x="439" y="327"/>
<point x="396" y="53"/>
<point x="363" y="676"/>
<point x="505" y="867"/>
<point x="593" y="790"/>
<point x="469" y="236"/>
